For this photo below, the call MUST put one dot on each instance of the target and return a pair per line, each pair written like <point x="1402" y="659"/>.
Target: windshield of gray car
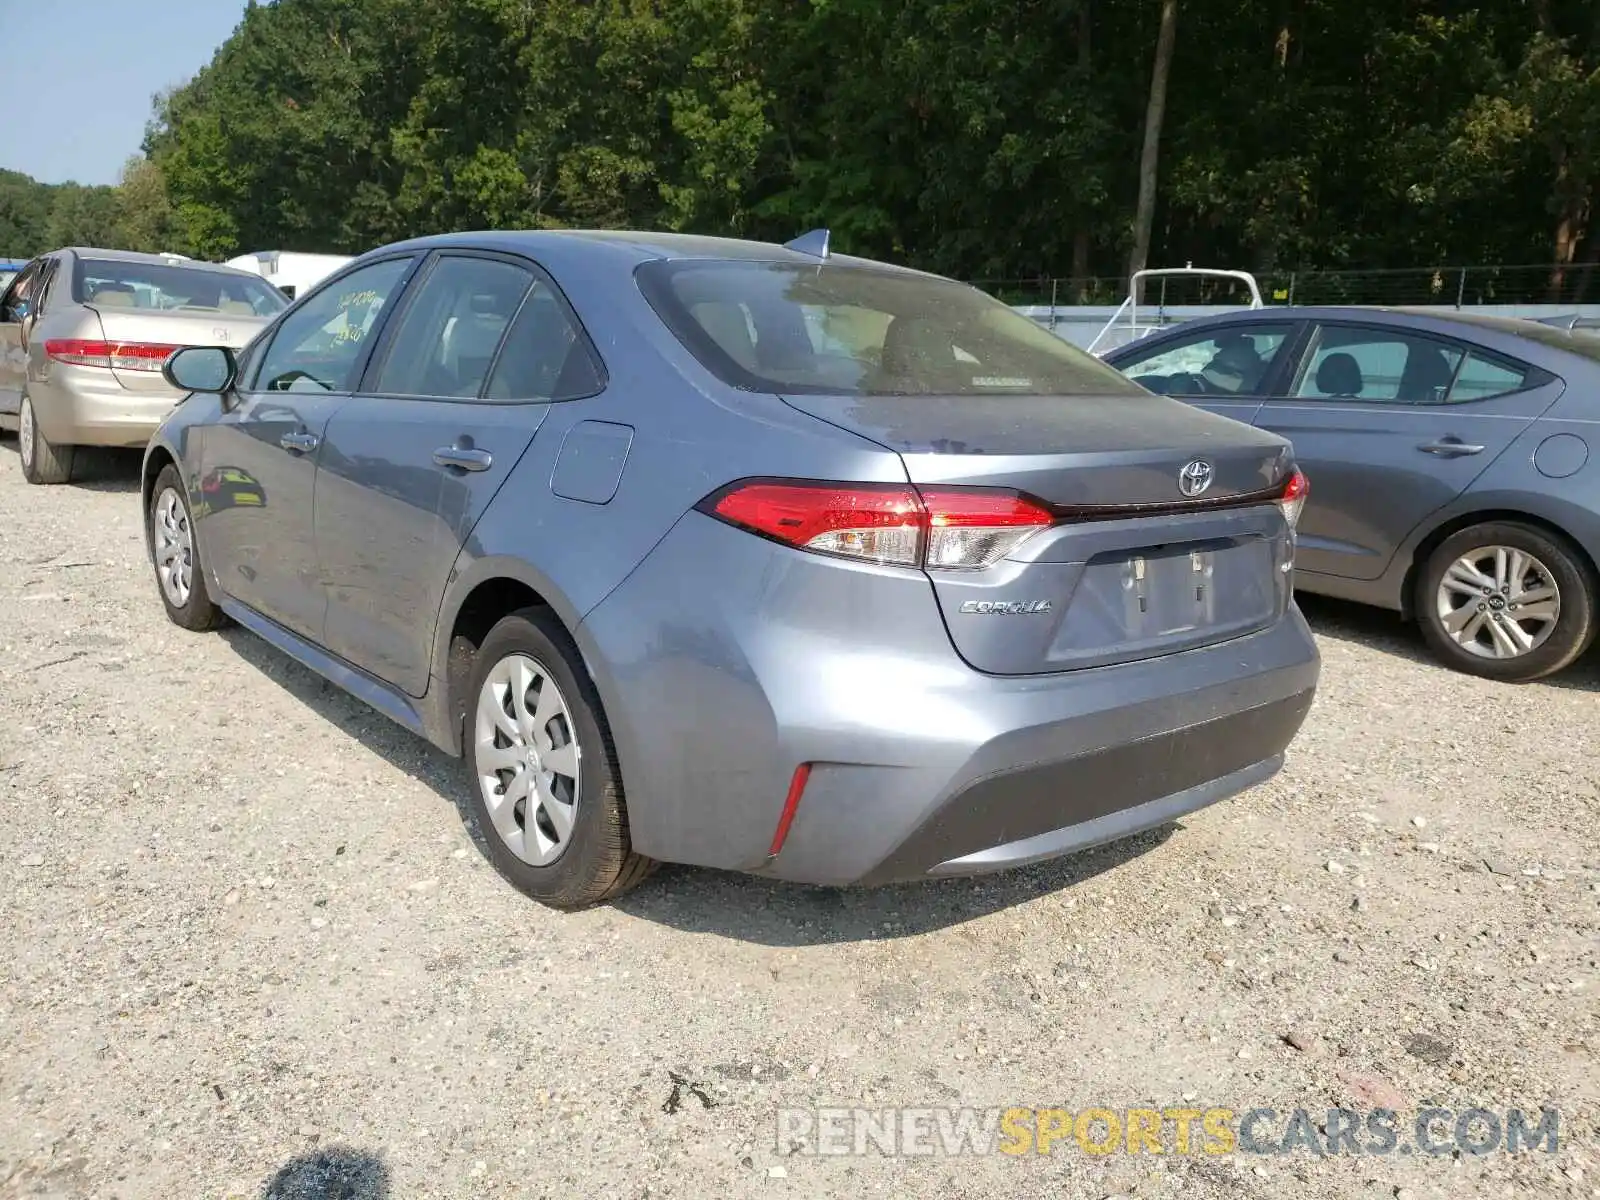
<point x="160" y="286"/>
<point x="843" y="329"/>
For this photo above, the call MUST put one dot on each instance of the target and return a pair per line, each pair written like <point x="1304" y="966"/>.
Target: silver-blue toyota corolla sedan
<point x="741" y="555"/>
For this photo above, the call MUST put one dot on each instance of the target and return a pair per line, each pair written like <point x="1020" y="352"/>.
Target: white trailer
<point x="290" y="271"/>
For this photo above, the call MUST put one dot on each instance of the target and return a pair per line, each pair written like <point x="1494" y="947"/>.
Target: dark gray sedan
<point x="1450" y="459"/>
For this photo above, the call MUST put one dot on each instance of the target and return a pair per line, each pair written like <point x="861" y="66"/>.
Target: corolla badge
<point x="1195" y="477"/>
<point x="1006" y="608"/>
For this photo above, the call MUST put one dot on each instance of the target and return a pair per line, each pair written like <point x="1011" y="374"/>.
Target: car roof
<point x="635" y="246"/>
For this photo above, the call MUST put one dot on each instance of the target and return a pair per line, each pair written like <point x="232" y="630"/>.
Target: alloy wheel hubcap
<point x="1498" y="602"/>
<point x="528" y="759"/>
<point x="25" y="433"/>
<point x="174" y="547"/>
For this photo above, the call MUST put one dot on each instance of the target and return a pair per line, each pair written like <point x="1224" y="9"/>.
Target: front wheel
<point x="42" y="462"/>
<point x="1506" y="601"/>
<point x="546" y="792"/>
<point x="175" y="552"/>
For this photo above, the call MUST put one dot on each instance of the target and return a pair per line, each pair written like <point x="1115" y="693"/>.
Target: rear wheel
<point x="1506" y="601"/>
<point x="42" y="462"/>
<point x="546" y="796"/>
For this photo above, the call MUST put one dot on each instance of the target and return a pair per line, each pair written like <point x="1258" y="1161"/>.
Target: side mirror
<point x="200" y="369"/>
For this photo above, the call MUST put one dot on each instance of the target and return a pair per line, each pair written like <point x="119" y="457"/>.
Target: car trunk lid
<point x="143" y="327"/>
<point x="1137" y="564"/>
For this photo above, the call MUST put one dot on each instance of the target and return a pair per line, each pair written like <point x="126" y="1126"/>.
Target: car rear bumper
<point x="86" y="406"/>
<point x="726" y="662"/>
<point x="1045" y="809"/>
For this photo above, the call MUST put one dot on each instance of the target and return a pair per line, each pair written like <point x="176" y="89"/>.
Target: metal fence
<point x="1460" y="287"/>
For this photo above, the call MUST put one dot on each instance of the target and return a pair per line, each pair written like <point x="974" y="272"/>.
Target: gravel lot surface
<point x="248" y="949"/>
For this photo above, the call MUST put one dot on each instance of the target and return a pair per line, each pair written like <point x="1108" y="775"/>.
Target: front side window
<point x="20" y="291"/>
<point x="106" y="282"/>
<point x="842" y="329"/>
<point x="320" y="346"/>
<point x="1231" y="362"/>
<point x="1384" y="365"/>
<point x="445" y="341"/>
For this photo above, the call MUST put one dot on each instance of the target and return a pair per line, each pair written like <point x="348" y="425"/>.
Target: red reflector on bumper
<point x="791" y="802"/>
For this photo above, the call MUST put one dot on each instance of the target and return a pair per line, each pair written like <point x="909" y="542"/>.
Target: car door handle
<point x="463" y="458"/>
<point x="300" y="442"/>
<point x="1449" y="447"/>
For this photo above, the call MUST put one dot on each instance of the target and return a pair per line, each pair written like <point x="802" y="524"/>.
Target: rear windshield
<point x="839" y="329"/>
<point x="162" y="286"/>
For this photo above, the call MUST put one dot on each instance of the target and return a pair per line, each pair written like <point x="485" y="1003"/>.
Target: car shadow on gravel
<point x="101" y="470"/>
<point x="1375" y="627"/>
<point x="330" y="1173"/>
<point x="767" y="912"/>
<point x="1384" y="630"/>
<point x="726" y="903"/>
<point x="96" y="468"/>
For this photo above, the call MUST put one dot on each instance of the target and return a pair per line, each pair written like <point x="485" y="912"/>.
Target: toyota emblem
<point x="1195" y="478"/>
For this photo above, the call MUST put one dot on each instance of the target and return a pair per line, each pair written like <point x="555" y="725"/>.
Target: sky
<point x="79" y="75"/>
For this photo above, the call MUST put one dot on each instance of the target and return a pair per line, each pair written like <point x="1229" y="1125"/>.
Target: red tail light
<point x="960" y="529"/>
<point x="1295" y="490"/>
<point x="124" y="356"/>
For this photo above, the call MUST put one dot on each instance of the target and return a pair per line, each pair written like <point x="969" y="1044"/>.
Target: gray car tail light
<point x="940" y="528"/>
<point x="1293" y="500"/>
<point x="960" y="529"/>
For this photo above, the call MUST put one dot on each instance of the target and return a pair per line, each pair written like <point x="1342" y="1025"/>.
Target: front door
<point x="16" y="313"/>
<point x="460" y="383"/>
<point x="259" y="459"/>
<point x="1391" y="426"/>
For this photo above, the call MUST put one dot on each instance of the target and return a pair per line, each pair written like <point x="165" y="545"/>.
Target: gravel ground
<point x="248" y="949"/>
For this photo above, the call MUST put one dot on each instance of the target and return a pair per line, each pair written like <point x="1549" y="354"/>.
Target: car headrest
<point x="1339" y="375"/>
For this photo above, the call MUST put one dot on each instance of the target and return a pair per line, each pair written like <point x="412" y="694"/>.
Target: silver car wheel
<point x="25" y="433"/>
<point x="173" y="544"/>
<point x="1498" y="602"/>
<point x="528" y="759"/>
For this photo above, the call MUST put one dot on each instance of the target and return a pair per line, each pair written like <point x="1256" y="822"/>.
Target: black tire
<point x="598" y="862"/>
<point x="197" y="612"/>
<point x="1574" y="627"/>
<point x="42" y="462"/>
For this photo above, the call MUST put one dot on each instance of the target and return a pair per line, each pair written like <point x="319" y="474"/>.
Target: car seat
<point x="115" y="295"/>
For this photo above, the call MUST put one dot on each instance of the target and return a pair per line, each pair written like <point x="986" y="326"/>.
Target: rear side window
<point x="1386" y="365"/>
<point x="837" y="328"/>
<point x="445" y="341"/>
<point x="161" y="286"/>
<point x="1483" y="378"/>
<point x="545" y="356"/>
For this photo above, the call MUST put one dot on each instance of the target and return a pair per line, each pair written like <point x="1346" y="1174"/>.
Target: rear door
<point x="1391" y="425"/>
<point x="266" y="442"/>
<point x="1227" y="370"/>
<point x="458" y="388"/>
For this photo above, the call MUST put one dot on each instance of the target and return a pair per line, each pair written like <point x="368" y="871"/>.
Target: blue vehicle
<point x="9" y="269"/>
<point x="1454" y="461"/>
<point x="740" y="555"/>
